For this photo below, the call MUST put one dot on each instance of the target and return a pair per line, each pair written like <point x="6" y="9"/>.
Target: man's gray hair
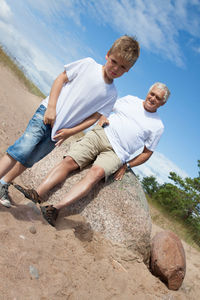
<point x="161" y="86"/>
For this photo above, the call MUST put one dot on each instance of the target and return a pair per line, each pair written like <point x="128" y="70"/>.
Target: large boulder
<point x="168" y="259"/>
<point x="117" y="209"/>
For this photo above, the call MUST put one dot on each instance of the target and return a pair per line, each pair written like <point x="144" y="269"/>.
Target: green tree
<point x="150" y="185"/>
<point x="190" y="191"/>
<point x="180" y="198"/>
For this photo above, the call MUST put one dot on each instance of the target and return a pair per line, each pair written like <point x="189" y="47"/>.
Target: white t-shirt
<point x="84" y="94"/>
<point x="132" y="127"/>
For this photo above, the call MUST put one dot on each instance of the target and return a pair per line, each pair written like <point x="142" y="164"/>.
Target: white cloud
<point x="30" y="46"/>
<point x="159" y="166"/>
<point x="5" y="11"/>
<point x="53" y="8"/>
<point x="157" y="24"/>
<point x="197" y="49"/>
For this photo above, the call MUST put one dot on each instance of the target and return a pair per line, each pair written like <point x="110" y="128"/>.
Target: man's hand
<point x="50" y="116"/>
<point x="120" y="173"/>
<point x="62" y="135"/>
<point x="103" y="121"/>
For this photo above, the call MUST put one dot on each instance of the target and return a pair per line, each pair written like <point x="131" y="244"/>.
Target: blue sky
<point x="45" y="35"/>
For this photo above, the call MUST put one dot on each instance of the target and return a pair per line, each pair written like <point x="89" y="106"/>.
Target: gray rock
<point x="33" y="272"/>
<point x="117" y="209"/>
<point x="32" y="229"/>
<point x="34" y="207"/>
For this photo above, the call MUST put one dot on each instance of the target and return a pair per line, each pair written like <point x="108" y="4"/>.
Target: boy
<point x="78" y="97"/>
<point x="134" y="124"/>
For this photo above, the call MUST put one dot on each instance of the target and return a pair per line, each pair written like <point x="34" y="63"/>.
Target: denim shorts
<point x="35" y="143"/>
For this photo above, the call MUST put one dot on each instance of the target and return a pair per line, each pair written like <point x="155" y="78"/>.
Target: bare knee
<point x="69" y="163"/>
<point x="96" y="173"/>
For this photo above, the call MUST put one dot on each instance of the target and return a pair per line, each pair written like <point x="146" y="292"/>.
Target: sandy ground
<point x="38" y="261"/>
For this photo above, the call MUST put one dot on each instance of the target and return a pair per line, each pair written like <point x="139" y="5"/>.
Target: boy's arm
<point x="64" y="133"/>
<point x="50" y="114"/>
<point x="103" y="121"/>
<point x="136" y="161"/>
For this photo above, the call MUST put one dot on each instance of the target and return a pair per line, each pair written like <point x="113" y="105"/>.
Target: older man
<point x="134" y="124"/>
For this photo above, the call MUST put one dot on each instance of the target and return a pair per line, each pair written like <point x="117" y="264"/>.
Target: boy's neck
<point x="105" y="77"/>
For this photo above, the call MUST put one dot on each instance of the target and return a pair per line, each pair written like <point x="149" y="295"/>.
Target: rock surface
<point x="118" y="209"/>
<point x="168" y="259"/>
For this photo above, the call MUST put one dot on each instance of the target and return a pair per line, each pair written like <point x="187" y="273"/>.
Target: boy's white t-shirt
<point x="84" y="94"/>
<point x="131" y="127"/>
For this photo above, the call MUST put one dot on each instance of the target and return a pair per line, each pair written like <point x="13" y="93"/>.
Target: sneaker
<point x="50" y="214"/>
<point x="31" y="194"/>
<point x="4" y="198"/>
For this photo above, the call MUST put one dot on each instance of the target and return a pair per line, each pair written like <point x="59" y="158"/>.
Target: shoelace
<point x="5" y="190"/>
<point x="51" y="212"/>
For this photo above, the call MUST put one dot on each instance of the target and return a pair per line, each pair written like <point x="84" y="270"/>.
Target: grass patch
<point x="163" y="219"/>
<point x="6" y="60"/>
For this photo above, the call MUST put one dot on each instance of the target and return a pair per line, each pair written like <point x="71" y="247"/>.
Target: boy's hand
<point x="50" y="116"/>
<point x="103" y="121"/>
<point x="62" y="135"/>
<point x="120" y="172"/>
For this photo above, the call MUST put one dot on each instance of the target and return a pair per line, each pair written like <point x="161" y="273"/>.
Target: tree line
<point x="180" y="198"/>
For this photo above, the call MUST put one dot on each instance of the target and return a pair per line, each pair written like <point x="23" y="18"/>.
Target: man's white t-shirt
<point x="84" y="94"/>
<point x="132" y="127"/>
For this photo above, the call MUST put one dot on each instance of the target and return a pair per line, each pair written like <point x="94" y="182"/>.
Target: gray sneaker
<point x="4" y="198"/>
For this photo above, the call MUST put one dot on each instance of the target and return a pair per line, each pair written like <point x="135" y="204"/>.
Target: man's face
<point x="154" y="99"/>
<point x="115" y="67"/>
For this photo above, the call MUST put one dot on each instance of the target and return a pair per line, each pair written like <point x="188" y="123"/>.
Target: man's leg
<point x="79" y="190"/>
<point x="57" y="175"/>
<point x="83" y="187"/>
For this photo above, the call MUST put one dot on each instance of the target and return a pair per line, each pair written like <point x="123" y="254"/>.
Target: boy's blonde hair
<point x="126" y="47"/>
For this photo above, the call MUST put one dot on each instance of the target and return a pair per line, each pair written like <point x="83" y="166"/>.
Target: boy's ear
<point x="107" y="55"/>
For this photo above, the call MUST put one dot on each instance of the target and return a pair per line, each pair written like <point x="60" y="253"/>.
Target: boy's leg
<point x="22" y="151"/>
<point x="6" y="164"/>
<point x="17" y="170"/>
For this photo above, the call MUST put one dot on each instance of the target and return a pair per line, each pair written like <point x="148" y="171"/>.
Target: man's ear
<point x="163" y="103"/>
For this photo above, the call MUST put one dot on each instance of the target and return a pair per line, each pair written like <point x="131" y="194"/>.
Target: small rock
<point x="34" y="272"/>
<point x="32" y="229"/>
<point x="22" y="237"/>
<point x="34" y="207"/>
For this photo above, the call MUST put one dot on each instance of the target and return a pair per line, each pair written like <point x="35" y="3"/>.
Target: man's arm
<point x="136" y="161"/>
<point x="64" y="133"/>
<point x="50" y="114"/>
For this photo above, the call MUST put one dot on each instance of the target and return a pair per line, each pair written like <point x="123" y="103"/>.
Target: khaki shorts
<point x="95" y="147"/>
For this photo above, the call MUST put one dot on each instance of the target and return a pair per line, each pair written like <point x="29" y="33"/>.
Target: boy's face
<point x="154" y="99"/>
<point x="115" y="66"/>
